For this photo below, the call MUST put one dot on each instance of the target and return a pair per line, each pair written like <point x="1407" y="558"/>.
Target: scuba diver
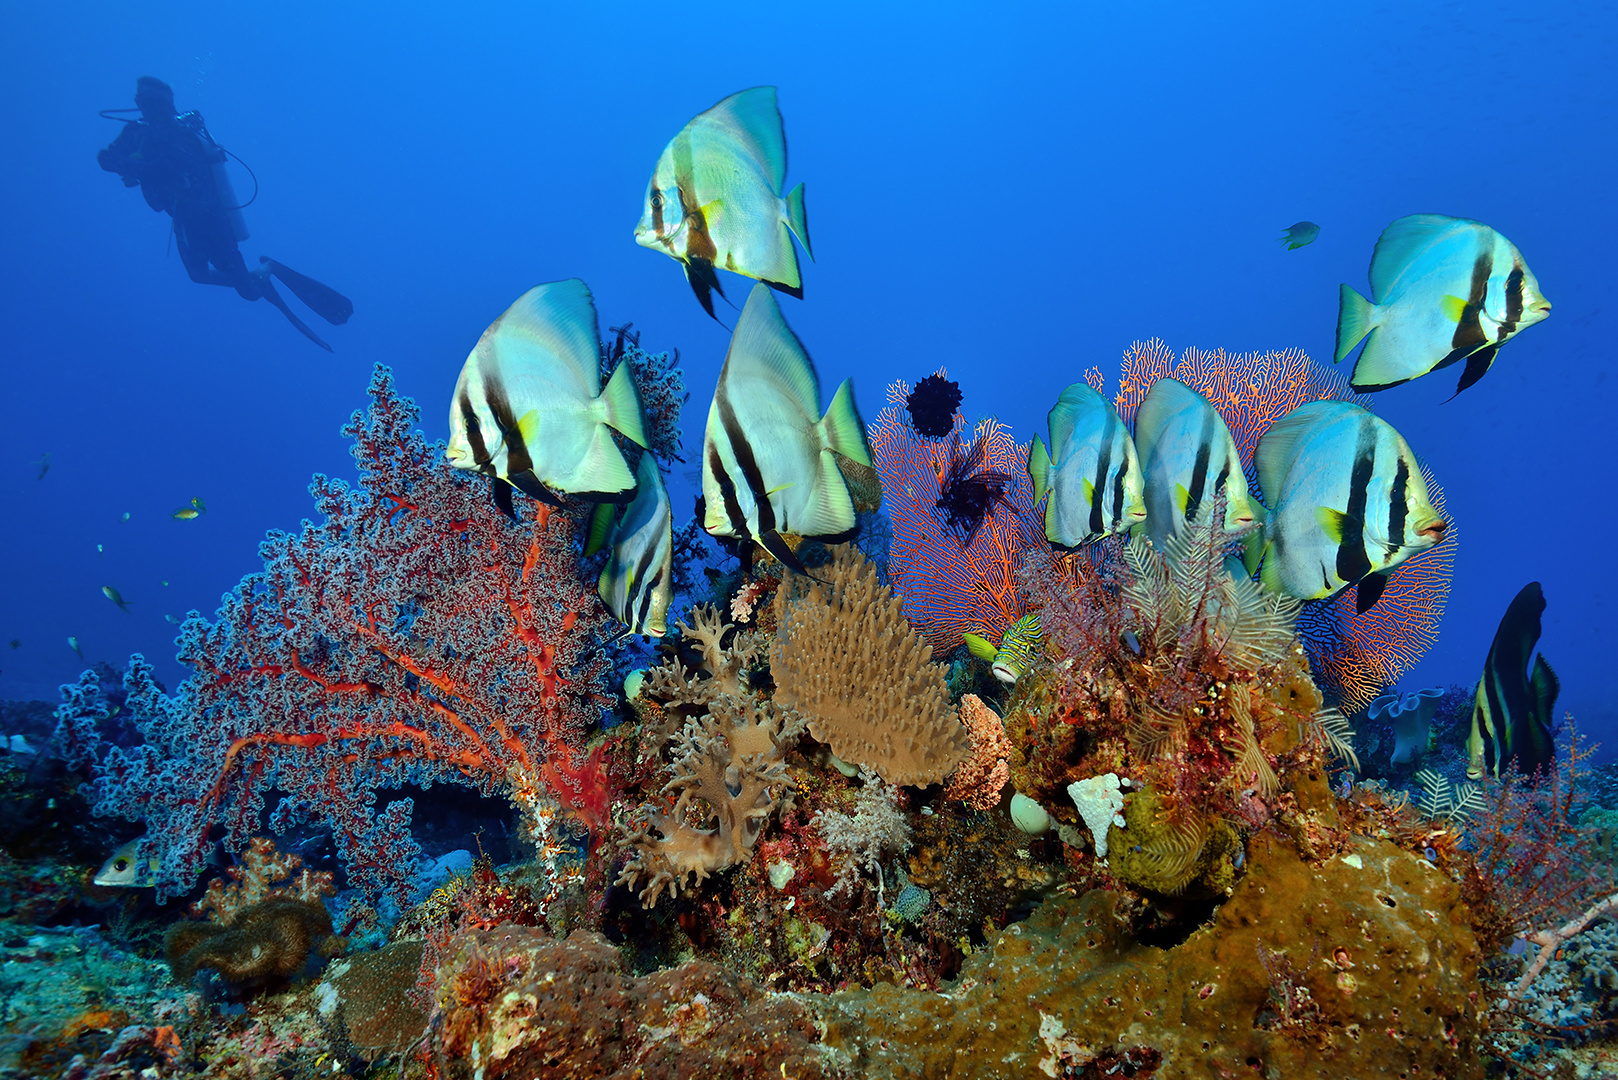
<point x="181" y="172"/>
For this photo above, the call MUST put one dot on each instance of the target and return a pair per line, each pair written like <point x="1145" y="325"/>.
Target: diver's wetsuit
<point x="172" y="158"/>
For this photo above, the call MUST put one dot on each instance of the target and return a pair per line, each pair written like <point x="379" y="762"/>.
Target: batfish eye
<point x="657" y="200"/>
<point x="121" y="864"/>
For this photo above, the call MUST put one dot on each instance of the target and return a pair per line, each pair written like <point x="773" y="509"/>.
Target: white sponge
<point x="1099" y="800"/>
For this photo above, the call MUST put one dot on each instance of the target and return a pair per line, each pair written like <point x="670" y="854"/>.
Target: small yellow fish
<point x="186" y="513"/>
<point x="201" y="507"/>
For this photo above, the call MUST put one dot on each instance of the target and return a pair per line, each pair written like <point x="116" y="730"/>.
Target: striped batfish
<point x="637" y="583"/>
<point x="1019" y="645"/>
<point x="1188" y="456"/>
<point x="1511" y="713"/>
<point x="715" y="198"/>
<point x="771" y="464"/>
<point x="1091" y="470"/>
<point x="1348" y="502"/>
<point x="1445" y="289"/>
<point x="529" y="409"/>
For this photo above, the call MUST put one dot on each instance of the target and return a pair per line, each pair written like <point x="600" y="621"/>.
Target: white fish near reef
<point x="1091" y="470"/>
<point x="637" y="584"/>
<point x="1348" y="502"/>
<point x="125" y="869"/>
<point x="1188" y="457"/>
<point x="1444" y="289"/>
<point x="771" y="464"/>
<point x="529" y="409"/>
<point x="715" y="199"/>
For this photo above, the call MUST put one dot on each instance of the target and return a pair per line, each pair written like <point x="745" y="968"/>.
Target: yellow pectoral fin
<point x="1089" y="493"/>
<point x="1453" y="307"/>
<point x="528" y="426"/>
<point x="980" y="647"/>
<point x="712" y="209"/>
<point x="1331" y="522"/>
<point x="1182" y="498"/>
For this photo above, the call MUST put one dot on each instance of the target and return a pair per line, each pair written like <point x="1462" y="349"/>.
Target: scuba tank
<point x="227" y="199"/>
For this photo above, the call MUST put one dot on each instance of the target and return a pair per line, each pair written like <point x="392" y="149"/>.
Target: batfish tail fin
<point x="1354" y="320"/>
<point x="622" y="401"/>
<point x="798" y="219"/>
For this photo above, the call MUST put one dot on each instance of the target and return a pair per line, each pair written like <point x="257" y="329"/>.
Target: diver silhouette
<point x="181" y="172"/>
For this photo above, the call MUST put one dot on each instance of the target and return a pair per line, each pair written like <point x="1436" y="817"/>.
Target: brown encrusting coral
<point x="261" y="945"/>
<point x="518" y="1003"/>
<point x="863" y="679"/>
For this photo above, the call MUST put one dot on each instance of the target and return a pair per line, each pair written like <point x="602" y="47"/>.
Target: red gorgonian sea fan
<point x="951" y="585"/>
<point x="1356" y="655"/>
<point x="412" y="635"/>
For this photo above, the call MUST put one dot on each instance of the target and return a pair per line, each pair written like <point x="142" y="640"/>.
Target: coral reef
<point x="729" y="761"/>
<point x="413" y="635"/>
<point x="518" y="1003"/>
<point x="262" y="944"/>
<point x="1377" y="939"/>
<point x="981" y="778"/>
<point x="864" y="681"/>
<point x="953" y="584"/>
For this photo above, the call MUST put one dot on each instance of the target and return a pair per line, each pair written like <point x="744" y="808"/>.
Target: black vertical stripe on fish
<point x="1397" y="507"/>
<point x="657" y="212"/>
<point x="1118" y="497"/>
<point x="742" y="450"/>
<point x="1352" y="563"/>
<point x="727" y="493"/>
<point x="527" y="483"/>
<point x="517" y="457"/>
<point x="1469" y="330"/>
<point x="1199" y="472"/>
<point x="1513" y="304"/>
<point x="642" y="609"/>
<point x="1098" y="495"/>
<point x="474" y="431"/>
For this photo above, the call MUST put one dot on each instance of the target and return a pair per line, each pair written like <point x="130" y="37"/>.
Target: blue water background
<point x="1015" y="192"/>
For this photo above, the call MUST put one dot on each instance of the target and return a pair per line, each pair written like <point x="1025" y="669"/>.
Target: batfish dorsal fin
<point x="1166" y="399"/>
<point x="764" y="348"/>
<point x="1064" y="415"/>
<point x="1401" y="243"/>
<point x="1279" y="444"/>
<point x="555" y="325"/>
<point x="752" y="118"/>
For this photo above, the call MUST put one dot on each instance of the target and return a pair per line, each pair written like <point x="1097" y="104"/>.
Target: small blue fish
<point x="1300" y="234"/>
<point x="73" y="643"/>
<point x="112" y="594"/>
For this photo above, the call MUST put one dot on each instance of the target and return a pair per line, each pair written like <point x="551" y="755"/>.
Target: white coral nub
<point x="1099" y="801"/>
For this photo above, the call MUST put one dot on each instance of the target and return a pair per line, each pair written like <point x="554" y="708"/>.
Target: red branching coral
<point x="413" y="635"/>
<point x="950" y="589"/>
<point x="1356" y="656"/>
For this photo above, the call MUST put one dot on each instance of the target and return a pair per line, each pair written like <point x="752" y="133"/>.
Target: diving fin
<point x="267" y="291"/>
<point x="321" y="299"/>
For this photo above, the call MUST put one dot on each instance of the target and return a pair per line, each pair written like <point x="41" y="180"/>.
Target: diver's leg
<point x="195" y="257"/>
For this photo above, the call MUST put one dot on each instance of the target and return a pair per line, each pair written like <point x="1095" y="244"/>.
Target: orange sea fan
<point x="1361" y="655"/>
<point x="1356" y="655"/>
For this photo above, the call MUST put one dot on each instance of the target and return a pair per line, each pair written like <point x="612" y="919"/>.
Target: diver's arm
<point x="120" y="155"/>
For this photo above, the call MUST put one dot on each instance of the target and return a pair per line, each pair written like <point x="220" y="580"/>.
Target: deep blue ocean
<point x="1015" y="192"/>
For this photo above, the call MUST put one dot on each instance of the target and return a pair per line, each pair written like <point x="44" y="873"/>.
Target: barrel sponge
<point x="864" y="680"/>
